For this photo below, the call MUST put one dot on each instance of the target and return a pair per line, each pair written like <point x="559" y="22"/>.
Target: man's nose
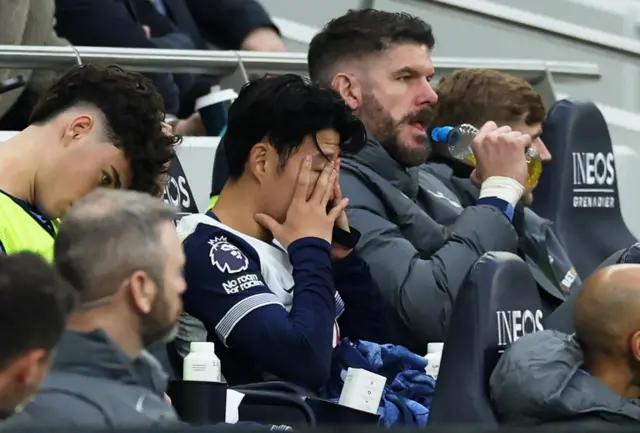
<point x="427" y="95"/>
<point x="542" y="150"/>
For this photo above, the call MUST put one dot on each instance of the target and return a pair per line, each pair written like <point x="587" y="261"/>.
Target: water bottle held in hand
<point x="459" y="140"/>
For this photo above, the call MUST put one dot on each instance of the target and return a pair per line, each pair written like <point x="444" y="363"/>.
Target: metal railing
<point x="148" y="59"/>
<point x="227" y="62"/>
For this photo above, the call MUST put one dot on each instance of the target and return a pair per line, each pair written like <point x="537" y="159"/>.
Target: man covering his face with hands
<point x="269" y="281"/>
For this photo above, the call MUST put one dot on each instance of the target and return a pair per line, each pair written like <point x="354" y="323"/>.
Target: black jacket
<point x="538" y="246"/>
<point x="223" y="23"/>
<point x="111" y="23"/>
<point x="418" y="263"/>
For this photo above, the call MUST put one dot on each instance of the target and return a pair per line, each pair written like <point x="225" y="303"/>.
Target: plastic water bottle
<point x="433" y="356"/>
<point x="202" y="364"/>
<point x="459" y="140"/>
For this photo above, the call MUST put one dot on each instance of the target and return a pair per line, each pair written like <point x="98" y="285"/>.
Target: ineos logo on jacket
<point x="594" y="177"/>
<point x="513" y="324"/>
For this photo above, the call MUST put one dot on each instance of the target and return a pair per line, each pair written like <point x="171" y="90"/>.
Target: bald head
<point x="108" y="235"/>
<point x="607" y="310"/>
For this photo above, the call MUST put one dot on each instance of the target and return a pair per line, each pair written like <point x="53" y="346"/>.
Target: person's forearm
<point x="296" y="345"/>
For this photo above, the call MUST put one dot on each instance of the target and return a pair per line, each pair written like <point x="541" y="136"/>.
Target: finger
<point x="267" y="222"/>
<point x="337" y="191"/>
<point x="483" y="132"/>
<point x="302" y="183"/>
<point x="519" y="139"/>
<point x="333" y="177"/>
<point x="476" y="177"/>
<point x="337" y="210"/>
<point x="503" y="130"/>
<point x="522" y="141"/>
<point x="525" y="140"/>
<point x="322" y="184"/>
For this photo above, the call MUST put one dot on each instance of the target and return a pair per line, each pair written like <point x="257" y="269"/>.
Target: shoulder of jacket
<point x="76" y="387"/>
<point x="437" y="169"/>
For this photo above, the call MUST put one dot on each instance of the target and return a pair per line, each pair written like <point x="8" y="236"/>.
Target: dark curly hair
<point x="285" y="109"/>
<point x="133" y="111"/>
<point x="361" y="33"/>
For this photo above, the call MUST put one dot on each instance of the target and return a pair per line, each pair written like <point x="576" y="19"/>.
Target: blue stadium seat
<point x="220" y="170"/>
<point x="178" y="191"/>
<point x="498" y="303"/>
<point x="578" y="190"/>
<point x="562" y="318"/>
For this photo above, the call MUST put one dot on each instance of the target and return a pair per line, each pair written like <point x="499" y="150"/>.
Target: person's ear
<point x="28" y="369"/>
<point x="78" y="128"/>
<point x="635" y="345"/>
<point x="349" y="88"/>
<point x="142" y="290"/>
<point x="259" y="161"/>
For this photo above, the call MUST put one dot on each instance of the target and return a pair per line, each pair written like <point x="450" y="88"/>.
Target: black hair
<point x="285" y="109"/>
<point x="34" y="303"/>
<point x="133" y="113"/>
<point x="360" y="33"/>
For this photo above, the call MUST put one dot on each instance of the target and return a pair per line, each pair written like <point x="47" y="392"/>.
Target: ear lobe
<point x="80" y="127"/>
<point x="634" y="342"/>
<point x="143" y="291"/>
<point x="349" y="88"/>
<point x="27" y="367"/>
<point x="259" y="160"/>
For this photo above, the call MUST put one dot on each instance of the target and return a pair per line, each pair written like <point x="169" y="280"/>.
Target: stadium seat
<point x="178" y="191"/>
<point x="562" y="318"/>
<point x="220" y="170"/>
<point x="498" y="303"/>
<point x="325" y="413"/>
<point x="277" y="408"/>
<point x="272" y="402"/>
<point x="578" y="190"/>
<point x="275" y="403"/>
<point x="198" y="403"/>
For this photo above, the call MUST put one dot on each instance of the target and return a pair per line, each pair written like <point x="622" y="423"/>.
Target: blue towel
<point x="407" y="395"/>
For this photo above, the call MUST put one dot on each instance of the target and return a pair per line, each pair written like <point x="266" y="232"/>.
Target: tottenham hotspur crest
<point x="226" y="256"/>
